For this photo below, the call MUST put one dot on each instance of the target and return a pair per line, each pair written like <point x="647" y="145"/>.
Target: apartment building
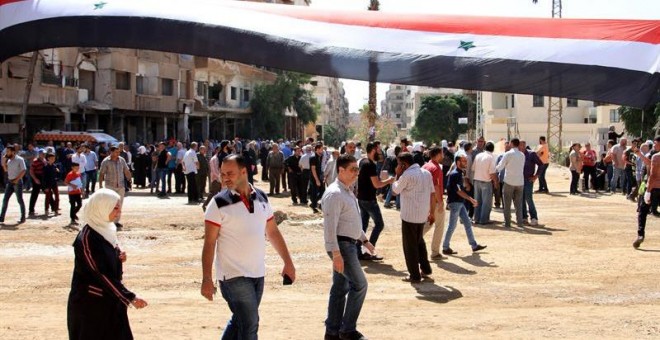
<point x="331" y="98"/>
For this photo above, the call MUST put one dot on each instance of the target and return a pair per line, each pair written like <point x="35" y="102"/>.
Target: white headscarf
<point x="96" y="213"/>
<point x="142" y="150"/>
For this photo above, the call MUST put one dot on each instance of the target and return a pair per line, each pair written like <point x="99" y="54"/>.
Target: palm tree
<point x="374" y="5"/>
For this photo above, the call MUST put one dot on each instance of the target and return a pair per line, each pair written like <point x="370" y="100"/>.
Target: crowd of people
<point x="429" y="184"/>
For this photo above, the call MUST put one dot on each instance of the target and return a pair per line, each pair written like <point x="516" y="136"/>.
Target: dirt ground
<point x="576" y="276"/>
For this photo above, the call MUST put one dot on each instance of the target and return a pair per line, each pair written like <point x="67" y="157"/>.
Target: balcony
<point x="215" y="105"/>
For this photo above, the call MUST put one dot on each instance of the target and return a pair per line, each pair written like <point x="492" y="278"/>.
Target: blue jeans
<point x="161" y="173"/>
<point x="528" y="200"/>
<point x="90" y="178"/>
<point x="388" y="198"/>
<point x="456" y="210"/>
<point x="10" y="189"/>
<point x="243" y="295"/>
<point x="371" y="209"/>
<point x="616" y="175"/>
<point x="543" y="184"/>
<point x="347" y="294"/>
<point x="483" y="193"/>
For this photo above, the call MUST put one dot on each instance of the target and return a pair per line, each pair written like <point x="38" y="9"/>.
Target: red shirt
<point x="589" y="158"/>
<point x="436" y="172"/>
<point x="70" y="177"/>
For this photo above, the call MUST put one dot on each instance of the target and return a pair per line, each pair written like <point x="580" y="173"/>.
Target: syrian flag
<point x="613" y="61"/>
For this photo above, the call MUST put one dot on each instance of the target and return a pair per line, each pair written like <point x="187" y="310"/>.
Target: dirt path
<point x="577" y="276"/>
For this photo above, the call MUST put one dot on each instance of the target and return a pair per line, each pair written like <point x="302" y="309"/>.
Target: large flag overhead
<point x="614" y="61"/>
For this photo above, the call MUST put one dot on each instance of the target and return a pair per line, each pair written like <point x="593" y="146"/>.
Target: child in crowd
<point x="74" y="183"/>
<point x="51" y="174"/>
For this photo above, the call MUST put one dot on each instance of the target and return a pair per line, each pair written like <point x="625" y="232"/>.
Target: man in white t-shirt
<point x="190" y="165"/>
<point x="237" y="222"/>
<point x="484" y="179"/>
<point x="80" y="158"/>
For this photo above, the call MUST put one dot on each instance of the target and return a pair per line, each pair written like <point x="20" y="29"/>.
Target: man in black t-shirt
<point x="161" y="168"/>
<point x="368" y="182"/>
<point x="316" y="185"/>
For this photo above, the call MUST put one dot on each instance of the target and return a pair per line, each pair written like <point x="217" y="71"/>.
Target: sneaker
<point x="478" y="247"/>
<point x="638" y="242"/>
<point x="534" y="222"/>
<point x="354" y="335"/>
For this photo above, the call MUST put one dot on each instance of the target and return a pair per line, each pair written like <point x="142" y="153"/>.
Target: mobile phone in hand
<point x="286" y="280"/>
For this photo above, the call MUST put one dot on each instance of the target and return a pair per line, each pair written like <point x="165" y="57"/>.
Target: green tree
<point x="632" y="120"/>
<point x="437" y="118"/>
<point x="386" y="130"/>
<point x="271" y="100"/>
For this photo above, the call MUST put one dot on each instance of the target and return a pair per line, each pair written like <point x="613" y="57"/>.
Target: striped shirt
<point x="415" y="187"/>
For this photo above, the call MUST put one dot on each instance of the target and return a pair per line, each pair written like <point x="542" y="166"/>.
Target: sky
<point x="357" y="92"/>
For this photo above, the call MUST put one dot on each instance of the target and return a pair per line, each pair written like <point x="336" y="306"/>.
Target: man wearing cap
<point x="37" y="174"/>
<point x="15" y="173"/>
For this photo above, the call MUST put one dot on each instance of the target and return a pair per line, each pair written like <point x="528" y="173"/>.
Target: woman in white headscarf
<point x="98" y="299"/>
<point x="142" y="166"/>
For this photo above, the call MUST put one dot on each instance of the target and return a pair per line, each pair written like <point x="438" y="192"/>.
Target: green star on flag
<point x="466" y="45"/>
<point x="99" y="5"/>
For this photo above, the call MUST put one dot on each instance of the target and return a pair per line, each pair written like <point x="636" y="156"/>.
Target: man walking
<point x="544" y="154"/>
<point x="341" y="234"/>
<point x="316" y="178"/>
<point x="15" y="168"/>
<point x="513" y="164"/>
<point x="456" y="198"/>
<point x="485" y="180"/>
<point x="202" y="172"/>
<point x="237" y="223"/>
<point x="306" y="173"/>
<point x="433" y="166"/>
<point x="114" y="171"/>
<point x="91" y="164"/>
<point x="415" y="185"/>
<point x="652" y="192"/>
<point x="37" y="174"/>
<point x="190" y="166"/>
<point x="368" y="182"/>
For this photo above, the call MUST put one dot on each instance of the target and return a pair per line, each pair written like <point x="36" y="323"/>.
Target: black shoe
<point x="638" y="242"/>
<point x="354" y="335"/>
<point x="478" y="247"/>
<point x="331" y="337"/>
<point x="21" y="220"/>
<point x="449" y="251"/>
<point x="119" y="226"/>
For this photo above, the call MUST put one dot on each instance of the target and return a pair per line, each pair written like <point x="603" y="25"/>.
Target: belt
<point x="346" y="238"/>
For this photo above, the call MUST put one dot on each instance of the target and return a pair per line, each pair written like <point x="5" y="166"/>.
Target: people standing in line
<point x="51" y="191"/>
<point x="98" y="301"/>
<point x="202" y="172"/>
<point x="589" y="159"/>
<point x="618" y="166"/>
<point x="652" y="191"/>
<point x="544" y="154"/>
<point x="189" y="167"/>
<point x="15" y="172"/>
<point x="485" y="180"/>
<point x="294" y="173"/>
<point x="237" y="223"/>
<point x="316" y="177"/>
<point x="74" y="189"/>
<point x="369" y="181"/>
<point x="275" y="164"/>
<point x="513" y="165"/>
<point x="575" y="159"/>
<point x="433" y="166"/>
<point x="341" y="235"/>
<point x="306" y="173"/>
<point x="532" y="165"/>
<point x="91" y="164"/>
<point x="112" y="174"/>
<point x="456" y="198"/>
<point x="415" y="185"/>
<point x="37" y="175"/>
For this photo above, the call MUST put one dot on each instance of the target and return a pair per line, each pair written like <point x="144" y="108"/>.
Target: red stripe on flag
<point x="647" y="31"/>
<point x="4" y="2"/>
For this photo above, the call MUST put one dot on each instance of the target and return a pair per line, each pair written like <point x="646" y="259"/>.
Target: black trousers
<point x="36" y="189"/>
<point x="414" y="249"/>
<point x="315" y="192"/>
<point x="179" y="180"/>
<point x="304" y="184"/>
<point x="193" y="196"/>
<point x="294" y="185"/>
<point x="575" y="179"/>
<point x="76" y="203"/>
<point x="589" y="177"/>
<point x="643" y="211"/>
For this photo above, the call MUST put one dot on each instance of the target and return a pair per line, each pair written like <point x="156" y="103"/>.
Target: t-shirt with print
<point x="241" y="222"/>
<point x="365" y="189"/>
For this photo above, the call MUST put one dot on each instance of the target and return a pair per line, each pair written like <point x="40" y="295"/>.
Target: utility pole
<point x="555" y="105"/>
<point x="26" y="97"/>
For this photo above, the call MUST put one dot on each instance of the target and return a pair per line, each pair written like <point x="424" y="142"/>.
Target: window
<point x="201" y="89"/>
<point x="538" y="101"/>
<point x="398" y="115"/>
<point x="167" y="87"/>
<point x="140" y="84"/>
<point x="246" y="95"/>
<point x="233" y="93"/>
<point x="570" y="102"/>
<point x="513" y="101"/>
<point x="122" y="80"/>
<point x="614" y="116"/>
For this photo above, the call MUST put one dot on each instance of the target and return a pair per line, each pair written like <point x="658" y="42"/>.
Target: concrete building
<point x="508" y="115"/>
<point x="331" y="98"/>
